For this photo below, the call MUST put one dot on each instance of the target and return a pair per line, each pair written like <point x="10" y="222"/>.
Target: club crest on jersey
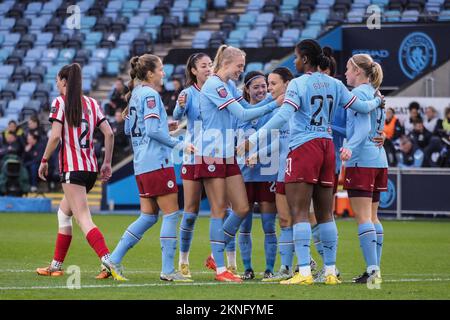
<point x="291" y="94"/>
<point x="151" y="102"/>
<point x="170" y="184"/>
<point x="222" y="91"/>
<point x="53" y="110"/>
<point x="211" y="168"/>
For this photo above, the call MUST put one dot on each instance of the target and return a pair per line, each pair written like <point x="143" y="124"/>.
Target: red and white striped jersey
<point x="77" y="143"/>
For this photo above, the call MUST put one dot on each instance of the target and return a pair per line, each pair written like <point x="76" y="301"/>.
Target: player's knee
<point x="284" y="221"/>
<point x="64" y="221"/>
<point x="241" y="210"/>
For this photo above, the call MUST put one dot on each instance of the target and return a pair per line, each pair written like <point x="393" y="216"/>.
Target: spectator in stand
<point x="414" y="113"/>
<point x="13" y="129"/>
<point x="120" y="138"/>
<point x="117" y="98"/>
<point x="431" y="119"/>
<point x="32" y="155"/>
<point x="409" y="155"/>
<point x="443" y="127"/>
<point x="33" y="126"/>
<point x="392" y="126"/>
<point x="170" y="98"/>
<point x="429" y="144"/>
<point x="11" y="145"/>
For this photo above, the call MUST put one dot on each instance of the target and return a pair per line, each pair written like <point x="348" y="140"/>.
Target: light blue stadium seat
<point x="392" y="16"/>
<point x="43" y="39"/>
<point x="126" y="38"/>
<point x="5" y="6"/>
<point x="194" y="16"/>
<point x="6" y="24"/>
<point x="410" y="16"/>
<point x="361" y="4"/>
<point x="130" y="7"/>
<point x="355" y="16"/>
<point x="148" y="5"/>
<point x="90" y="72"/>
<point x="51" y="7"/>
<point x="27" y="89"/>
<point x="87" y="22"/>
<point x="253" y="66"/>
<point x="381" y="3"/>
<point x="200" y="4"/>
<point x="3" y="123"/>
<point x="264" y="19"/>
<point x="444" y="15"/>
<point x="220" y="4"/>
<point x="168" y="69"/>
<point x="93" y="38"/>
<point x="99" y="55"/>
<point x="117" y="54"/>
<point x="4" y="54"/>
<point x="15" y="105"/>
<point x="236" y="37"/>
<point x="253" y="38"/>
<point x="112" y="68"/>
<point x="66" y="56"/>
<point x="6" y="71"/>
<point x="33" y="8"/>
<point x="311" y="33"/>
<point x="50" y="55"/>
<point x="39" y="23"/>
<point x="289" y="38"/>
<point x="136" y="23"/>
<point x="246" y="20"/>
<point x="114" y="6"/>
<point x="201" y="39"/>
<point x="254" y="6"/>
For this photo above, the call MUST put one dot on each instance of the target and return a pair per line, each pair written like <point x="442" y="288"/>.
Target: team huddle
<point x="276" y="145"/>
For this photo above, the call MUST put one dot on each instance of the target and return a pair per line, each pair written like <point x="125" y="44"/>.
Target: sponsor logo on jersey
<point x="151" y="102"/>
<point x="222" y="91"/>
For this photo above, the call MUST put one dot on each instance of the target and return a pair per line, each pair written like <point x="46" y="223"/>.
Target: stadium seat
<point x="6" y="71"/>
<point x="37" y="74"/>
<point x="194" y="17"/>
<point x="3" y="55"/>
<point x="220" y="4"/>
<point x="168" y="70"/>
<point x="355" y="16"/>
<point x="26" y="42"/>
<point x="410" y="16"/>
<point x="42" y="93"/>
<point x="253" y="66"/>
<point x="201" y="39"/>
<point x="50" y="7"/>
<point x="254" y="6"/>
<point x="7" y="24"/>
<point x="65" y="56"/>
<point x="9" y="91"/>
<point x="444" y="15"/>
<point x="392" y="16"/>
<point x="148" y="6"/>
<point x="235" y="38"/>
<point x="43" y="39"/>
<point x="16" y="57"/>
<point x="272" y="6"/>
<point x="33" y="105"/>
<point x="246" y="20"/>
<point x="27" y="89"/>
<point x="270" y="40"/>
<point x="264" y="19"/>
<point x="289" y="38"/>
<point x="11" y="39"/>
<point x="253" y="39"/>
<point x="20" y="74"/>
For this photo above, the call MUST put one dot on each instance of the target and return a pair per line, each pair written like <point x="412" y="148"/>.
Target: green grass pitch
<point x="415" y="264"/>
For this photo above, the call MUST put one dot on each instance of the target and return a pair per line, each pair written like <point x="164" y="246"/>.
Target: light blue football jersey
<point x="192" y="111"/>
<point x="361" y="129"/>
<point x="149" y="154"/>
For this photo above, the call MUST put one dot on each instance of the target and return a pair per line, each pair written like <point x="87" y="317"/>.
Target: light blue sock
<point x="302" y="239"/>
<point x="231" y="226"/>
<point x="245" y="241"/>
<point x="230" y="246"/>
<point x="186" y="230"/>
<point x="286" y="247"/>
<point x="168" y="239"/>
<point x="217" y="241"/>
<point x="316" y="238"/>
<point x="328" y="236"/>
<point x="368" y="243"/>
<point x="270" y="239"/>
<point x="132" y="235"/>
<point x="380" y="236"/>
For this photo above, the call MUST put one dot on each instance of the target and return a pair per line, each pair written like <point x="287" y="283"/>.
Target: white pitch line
<point x="189" y="284"/>
<point x="211" y="272"/>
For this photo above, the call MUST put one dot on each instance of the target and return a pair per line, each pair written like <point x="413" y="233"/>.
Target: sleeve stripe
<point x="291" y="103"/>
<point x="55" y="119"/>
<point x="151" y="115"/>
<point x="239" y="99"/>
<point x="100" y="122"/>
<point x="226" y="104"/>
<point x="350" y="102"/>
